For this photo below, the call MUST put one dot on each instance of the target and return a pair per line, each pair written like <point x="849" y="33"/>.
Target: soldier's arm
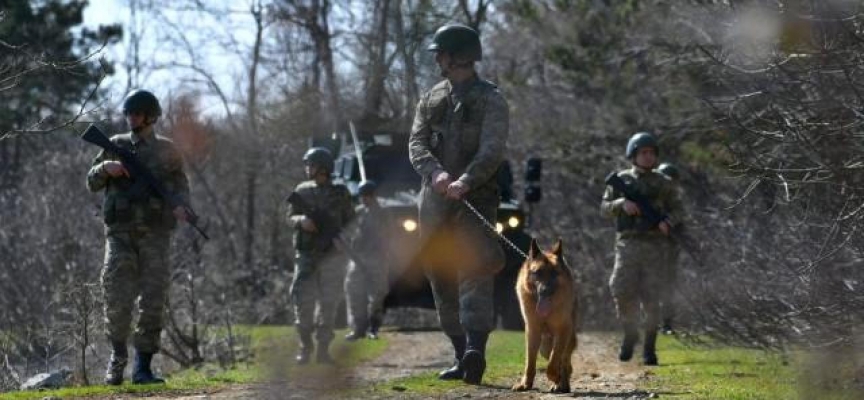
<point x="419" y="143"/>
<point x="180" y="181"/>
<point x="293" y="216"/>
<point x="348" y="212"/>
<point x="97" y="177"/>
<point x="612" y="204"/>
<point x="493" y="142"/>
<point x="673" y="203"/>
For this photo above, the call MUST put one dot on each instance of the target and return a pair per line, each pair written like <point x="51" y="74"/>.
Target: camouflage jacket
<point x="657" y="187"/>
<point x="369" y="238"/>
<point x="334" y="200"/>
<point x="463" y="131"/>
<point x="123" y="210"/>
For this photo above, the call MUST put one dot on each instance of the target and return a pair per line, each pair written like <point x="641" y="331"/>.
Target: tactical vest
<point x="456" y="120"/>
<point x="331" y="199"/>
<point x="649" y="186"/>
<point x="131" y="206"/>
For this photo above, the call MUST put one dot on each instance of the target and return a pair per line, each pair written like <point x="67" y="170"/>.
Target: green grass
<point x="273" y="346"/>
<point x="686" y="372"/>
<point x="729" y="373"/>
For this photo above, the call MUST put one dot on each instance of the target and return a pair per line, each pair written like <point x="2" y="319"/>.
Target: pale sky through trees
<point x="219" y="61"/>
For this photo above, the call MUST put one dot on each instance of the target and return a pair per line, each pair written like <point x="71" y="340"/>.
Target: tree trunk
<point x="377" y="62"/>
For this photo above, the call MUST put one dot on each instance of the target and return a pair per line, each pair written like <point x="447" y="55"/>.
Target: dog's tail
<point x="546" y="345"/>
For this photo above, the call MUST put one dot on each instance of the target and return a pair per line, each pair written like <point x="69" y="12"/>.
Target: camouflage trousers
<point x="366" y="286"/>
<point x="461" y="259"/>
<point x="316" y="292"/>
<point x="136" y="267"/>
<point x="638" y="277"/>
<point x="670" y="280"/>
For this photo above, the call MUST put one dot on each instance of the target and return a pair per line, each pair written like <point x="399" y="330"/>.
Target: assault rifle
<point x="328" y="230"/>
<point x="142" y="177"/>
<point x="651" y="217"/>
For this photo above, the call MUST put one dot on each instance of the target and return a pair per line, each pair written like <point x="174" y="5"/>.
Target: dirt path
<point x="597" y="374"/>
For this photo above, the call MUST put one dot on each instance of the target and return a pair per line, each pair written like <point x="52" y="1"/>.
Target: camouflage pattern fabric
<point x="136" y="264"/>
<point x="461" y="130"/>
<point x="319" y="273"/>
<point x="670" y="281"/>
<point x="641" y="257"/>
<point x="138" y="234"/>
<point x="366" y="283"/>
<point x="317" y="282"/>
<point x="124" y="210"/>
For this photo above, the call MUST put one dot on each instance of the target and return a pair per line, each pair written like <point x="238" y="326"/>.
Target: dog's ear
<point x="533" y="250"/>
<point x="558" y="249"/>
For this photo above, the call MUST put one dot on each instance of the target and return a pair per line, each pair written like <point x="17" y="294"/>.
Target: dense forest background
<point x="759" y="104"/>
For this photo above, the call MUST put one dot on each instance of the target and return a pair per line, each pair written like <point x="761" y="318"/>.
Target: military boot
<point x="631" y="336"/>
<point x="474" y="360"/>
<point x="141" y="373"/>
<point x="374" y="325"/>
<point x="649" y="354"/>
<point x="119" y="358"/>
<point x="667" y="327"/>
<point x="323" y="355"/>
<point x="455" y="372"/>
<point x="354" y="336"/>
<point x="305" y="350"/>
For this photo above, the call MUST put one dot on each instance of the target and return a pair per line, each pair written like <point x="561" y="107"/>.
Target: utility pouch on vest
<point x="119" y="211"/>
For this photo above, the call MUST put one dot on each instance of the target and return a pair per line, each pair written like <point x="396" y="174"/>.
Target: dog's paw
<point x="565" y="388"/>
<point x="521" y="387"/>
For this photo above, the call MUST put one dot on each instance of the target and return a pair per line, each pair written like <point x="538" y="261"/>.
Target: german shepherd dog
<point x="549" y="302"/>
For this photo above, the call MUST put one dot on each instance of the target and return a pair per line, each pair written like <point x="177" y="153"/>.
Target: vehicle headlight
<point x="513" y="222"/>
<point x="499" y="227"/>
<point x="409" y="225"/>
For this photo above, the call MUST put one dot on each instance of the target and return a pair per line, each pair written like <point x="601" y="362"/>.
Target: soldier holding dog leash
<point x="457" y="143"/>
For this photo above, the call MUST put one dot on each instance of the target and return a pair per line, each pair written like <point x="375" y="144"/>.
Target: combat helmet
<point x="458" y="40"/>
<point x="669" y="170"/>
<point x="319" y="157"/>
<point x="367" y="188"/>
<point x="142" y="101"/>
<point x="640" y="140"/>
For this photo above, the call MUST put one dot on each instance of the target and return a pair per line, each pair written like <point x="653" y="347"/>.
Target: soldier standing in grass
<point x="138" y="227"/>
<point x="366" y="283"/>
<point x="319" y="269"/>
<point x="667" y="295"/>
<point x="457" y="143"/>
<point x="641" y="252"/>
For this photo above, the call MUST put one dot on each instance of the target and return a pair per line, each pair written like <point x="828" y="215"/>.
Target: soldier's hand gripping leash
<point x="143" y="178"/>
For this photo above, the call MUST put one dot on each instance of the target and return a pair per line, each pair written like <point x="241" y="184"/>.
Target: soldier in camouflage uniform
<point x="138" y="226"/>
<point x="366" y="283"/>
<point x="640" y="254"/>
<point x="457" y="143"/>
<point x="319" y="268"/>
<point x="667" y="295"/>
